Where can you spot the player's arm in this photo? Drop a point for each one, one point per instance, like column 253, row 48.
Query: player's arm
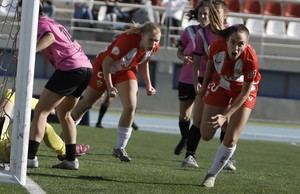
column 44, row 42
column 180, row 55
column 106, row 65
column 207, row 76
column 219, row 119
column 196, row 72
column 144, row 69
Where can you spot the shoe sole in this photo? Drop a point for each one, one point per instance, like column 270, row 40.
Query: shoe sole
column 189, row 166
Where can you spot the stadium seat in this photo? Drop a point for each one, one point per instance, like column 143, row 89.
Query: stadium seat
column 276, row 28
column 234, row 20
column 256, row 26
column 233, row 5
column 272, row 8
column 293, row 30
column 292, row 10
column 252, row 7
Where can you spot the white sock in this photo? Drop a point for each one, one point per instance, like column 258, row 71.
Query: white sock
column 123, row 136
column 222, row 156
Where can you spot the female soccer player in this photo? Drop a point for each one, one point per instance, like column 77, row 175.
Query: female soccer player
column 230, row 87
column 51, row 139
column 186, row 92
column 72, row 74
column 115, row 70
column 204, row 37
column 103, row 108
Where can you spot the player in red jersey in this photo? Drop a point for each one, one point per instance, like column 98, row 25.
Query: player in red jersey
column 115, row 70
column 230, row 87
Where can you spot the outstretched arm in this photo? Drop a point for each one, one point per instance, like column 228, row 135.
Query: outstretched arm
column 45, row 41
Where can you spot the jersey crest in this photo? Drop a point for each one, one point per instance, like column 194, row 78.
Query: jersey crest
column 219, row 59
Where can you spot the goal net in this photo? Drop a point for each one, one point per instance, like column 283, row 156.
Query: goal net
column 18, row 31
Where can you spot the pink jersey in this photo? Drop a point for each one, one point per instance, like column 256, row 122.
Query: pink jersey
column 187, row 41
column 204, row 37
column 65, row 53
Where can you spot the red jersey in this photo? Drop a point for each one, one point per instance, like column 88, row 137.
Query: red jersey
column 232, row 73
column 126, row 52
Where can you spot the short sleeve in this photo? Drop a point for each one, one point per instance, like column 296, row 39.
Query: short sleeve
column 184, row 38
column 250, row 69
column 43, row 28
column 121, row 46
column 199, row 48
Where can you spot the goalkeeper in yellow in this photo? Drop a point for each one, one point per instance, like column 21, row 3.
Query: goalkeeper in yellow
column 51, row 139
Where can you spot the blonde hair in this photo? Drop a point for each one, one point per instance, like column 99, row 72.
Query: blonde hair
column 216, row 22
column 145, row 28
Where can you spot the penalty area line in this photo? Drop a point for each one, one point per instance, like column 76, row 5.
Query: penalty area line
column 32, row 187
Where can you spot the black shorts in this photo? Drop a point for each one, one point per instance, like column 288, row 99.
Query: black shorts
column 69, row 83
column 186, row 91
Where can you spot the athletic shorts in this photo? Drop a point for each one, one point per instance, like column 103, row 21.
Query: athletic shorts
column 186, row 91
column 69, row 83
column 222, row 97
column 98, row 83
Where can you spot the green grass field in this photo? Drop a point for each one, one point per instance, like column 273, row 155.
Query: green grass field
column 263, row 167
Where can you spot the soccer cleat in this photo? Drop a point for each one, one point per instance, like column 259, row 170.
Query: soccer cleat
column 33, row 163
column 81, row 149
column 230, row 165
column 121, row 154
column 134, row 126
column 69, row 165
column 209, row 181
column 189, row 162
column 180, row 146
column 99, row 125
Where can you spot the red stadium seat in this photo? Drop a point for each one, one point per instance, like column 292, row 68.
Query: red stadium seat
column 233, row 5
column 252, row 7
column 272, row 8
column 292, row 10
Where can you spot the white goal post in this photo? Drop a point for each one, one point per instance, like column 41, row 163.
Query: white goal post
column 24, row 87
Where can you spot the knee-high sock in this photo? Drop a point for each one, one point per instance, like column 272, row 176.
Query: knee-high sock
column 194, row 137
column 102, row 112
column 222, row 156
column 53, row 141
column 222, row 135
column 123, row 137
column 70, row 152
column 184, row 128
column 33, row 148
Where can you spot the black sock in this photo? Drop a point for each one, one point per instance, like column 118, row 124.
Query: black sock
column 194, row 137
column 70, row 152
column 222, row 135
column 134, row 125
column 102, row 112
column 32, row 149
column 184, row 128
